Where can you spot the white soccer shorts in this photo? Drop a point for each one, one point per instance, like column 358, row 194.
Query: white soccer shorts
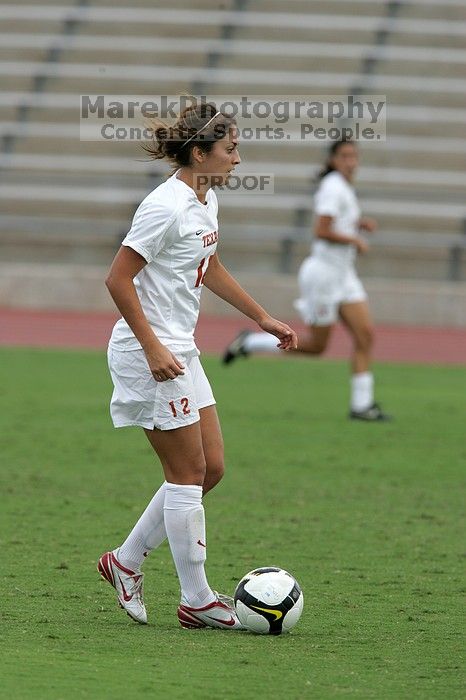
column 324, row 288
column 139, row 400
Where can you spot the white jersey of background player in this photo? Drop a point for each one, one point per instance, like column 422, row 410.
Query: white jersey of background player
column 329, row 285
column 159, row 383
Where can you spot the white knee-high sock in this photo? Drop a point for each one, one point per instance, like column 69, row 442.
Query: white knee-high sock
column 261, row 342
column 148, row 533
column 185, row 525
column 362, row 391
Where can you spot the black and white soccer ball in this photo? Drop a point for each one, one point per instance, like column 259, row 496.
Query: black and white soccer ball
column 268, row 601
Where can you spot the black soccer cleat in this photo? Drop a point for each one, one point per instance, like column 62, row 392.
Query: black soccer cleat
column 236, row 348
column 372, row 414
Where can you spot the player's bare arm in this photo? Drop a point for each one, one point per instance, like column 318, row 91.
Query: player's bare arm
column 126, row 265
column 224, row 285
column 324, row 229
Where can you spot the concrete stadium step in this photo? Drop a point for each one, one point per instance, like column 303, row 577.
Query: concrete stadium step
column 434, row 68
column 419, row 8
column 205, row 5
column 95, row 167
column 395, row 263
column 242, row 217
column 361, row 28
column 37, row 207
column 403, row 119
column 303, row 34
column 26, row 53
column 119, row 180
column 8, row 113
column 59, row 4
column 254, row 80
column 427, row 215
column 288, row 176
column 289, row 63
column 381, row 261
column 17, row 82
column 448, row 154
column 399, row 151
column 144, row 20
column 433, row 11
column 160, row 57
column 440, row 121
column 437, row 41
column 58, row 226
column 291, row 177
column 44, row 25
column 342, row 64
column 326, row 51
column 74, row 146
column 68, row 240
column 421, row 68
column 284, row 20
column 177, row 21
column 150, row 30
column 83, row 247
column 226, row 82
column 453, row 99
column 99, row 83
column 337, row 7
column 396, row 151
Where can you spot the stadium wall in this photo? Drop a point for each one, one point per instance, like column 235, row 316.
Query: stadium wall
column 81, row 287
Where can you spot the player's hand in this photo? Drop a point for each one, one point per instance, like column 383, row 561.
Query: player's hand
column 163, row 364
column 367, row 224
column 286, row 335
column 361, row 245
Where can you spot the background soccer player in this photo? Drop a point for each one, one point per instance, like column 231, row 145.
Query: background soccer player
column 329, row 284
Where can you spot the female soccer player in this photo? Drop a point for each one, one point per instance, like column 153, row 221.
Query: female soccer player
column 156, row 281
column 329, row 283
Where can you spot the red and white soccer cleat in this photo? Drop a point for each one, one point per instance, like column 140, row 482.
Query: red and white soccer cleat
column 128, row 585
column 220, row 614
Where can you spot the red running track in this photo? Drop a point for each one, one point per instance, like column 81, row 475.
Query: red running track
column 61, row 329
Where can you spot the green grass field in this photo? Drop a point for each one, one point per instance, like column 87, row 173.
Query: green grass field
column 367, row 517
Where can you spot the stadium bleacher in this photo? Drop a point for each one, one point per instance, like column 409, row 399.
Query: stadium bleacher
column 57, row 191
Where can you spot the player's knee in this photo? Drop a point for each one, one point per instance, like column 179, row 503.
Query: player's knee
column 214, row 473
column 318, row 348
column 198, row 470
column 312, row 346
column 191, row 471
column 365, row 338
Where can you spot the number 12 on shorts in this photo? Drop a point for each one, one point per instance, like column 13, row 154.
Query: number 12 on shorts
column 184, row 407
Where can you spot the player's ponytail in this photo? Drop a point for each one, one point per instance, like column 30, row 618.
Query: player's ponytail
column 198, row 125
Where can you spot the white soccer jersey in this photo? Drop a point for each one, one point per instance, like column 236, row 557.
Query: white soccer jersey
column 177, row 235
column 335, row 197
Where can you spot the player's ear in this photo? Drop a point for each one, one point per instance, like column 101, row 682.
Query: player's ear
column 198, row 155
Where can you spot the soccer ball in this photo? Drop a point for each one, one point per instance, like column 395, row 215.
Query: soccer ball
column 268, row 601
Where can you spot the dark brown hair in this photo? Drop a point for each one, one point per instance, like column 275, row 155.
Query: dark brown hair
column 198, row 125
column 332, row 151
